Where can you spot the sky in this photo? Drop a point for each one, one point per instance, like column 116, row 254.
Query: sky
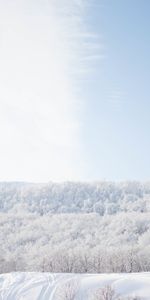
column 74, row 90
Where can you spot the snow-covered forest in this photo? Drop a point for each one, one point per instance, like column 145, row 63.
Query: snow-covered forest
column 75, row 227
column 104, row 198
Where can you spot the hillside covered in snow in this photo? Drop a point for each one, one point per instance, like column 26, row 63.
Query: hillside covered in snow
column 71, row 197
column 75, row 227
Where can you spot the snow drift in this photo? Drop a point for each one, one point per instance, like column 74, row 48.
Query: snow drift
column 46, row 286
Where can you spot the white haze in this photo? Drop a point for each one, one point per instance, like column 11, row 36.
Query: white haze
column 42, row 54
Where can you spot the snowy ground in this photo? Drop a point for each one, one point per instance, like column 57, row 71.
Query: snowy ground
column 44, row 286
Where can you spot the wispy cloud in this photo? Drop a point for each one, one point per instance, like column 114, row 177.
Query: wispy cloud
column 45, row 47
column 116, row 99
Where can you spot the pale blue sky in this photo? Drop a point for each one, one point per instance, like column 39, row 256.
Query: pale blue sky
column 74, row 90
column 117, row 119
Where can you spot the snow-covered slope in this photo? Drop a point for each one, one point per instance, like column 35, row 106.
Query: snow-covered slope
column 45, row 286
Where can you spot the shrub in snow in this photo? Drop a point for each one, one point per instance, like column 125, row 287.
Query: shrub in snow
column 68, row 290
column 105, row 293
column 108, row 293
